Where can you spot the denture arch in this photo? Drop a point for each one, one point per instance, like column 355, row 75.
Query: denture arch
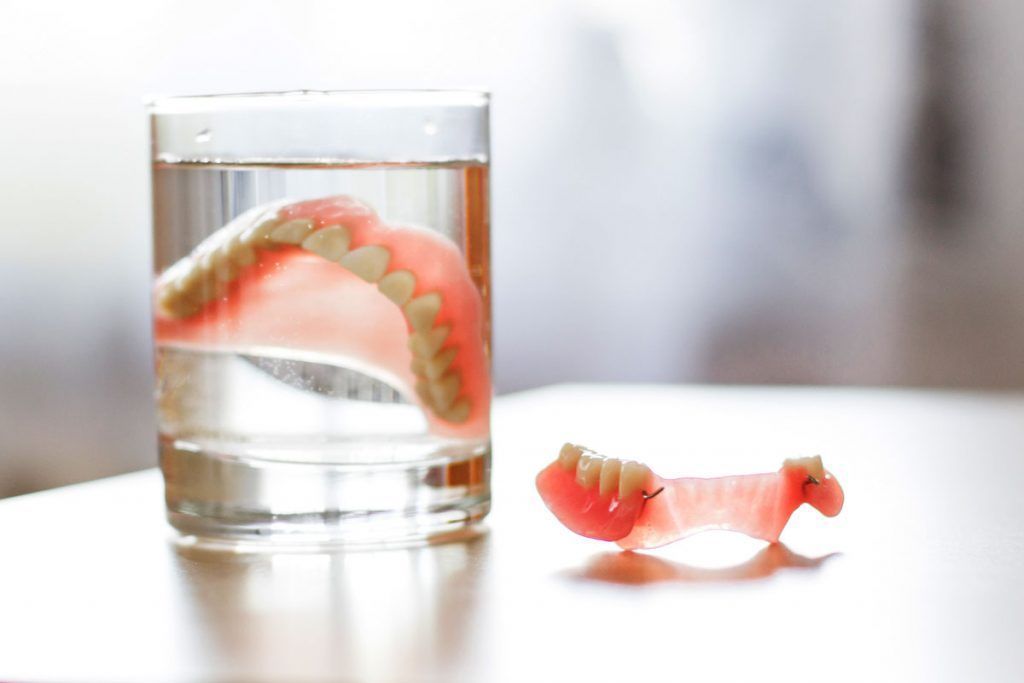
column 421, row 273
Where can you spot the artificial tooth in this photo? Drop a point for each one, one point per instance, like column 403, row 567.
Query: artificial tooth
column 369, row 262
column 175, row 287
column 224, row 267
column 632, row 477
column 207, row 287
column 610, row 476
column 330, row 242
column 398, row 286
column 569, row 456
column 174, row 303
column 206, row 260
column 459, row 412
column 425, row 344
column 188, row 308
column 228, row 247
column 444, row 391
column 260, row 235
column 189, row 281
column 588, row 470
column 167, row 303
column 174, row 308
column 241, row 253
column 201, row 284
column 581, row 466
column 816, row 468
column 218, row 265
column 423, row 310
column 423, row 391
column 436, row 366
column 293, row 231
column 813, row 465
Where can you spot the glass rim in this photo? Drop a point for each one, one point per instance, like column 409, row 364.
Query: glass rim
column 208, row 102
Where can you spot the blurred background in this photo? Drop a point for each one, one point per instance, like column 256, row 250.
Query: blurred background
column 717, row 191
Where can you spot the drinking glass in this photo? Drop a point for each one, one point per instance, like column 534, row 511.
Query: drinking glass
column 321, row 307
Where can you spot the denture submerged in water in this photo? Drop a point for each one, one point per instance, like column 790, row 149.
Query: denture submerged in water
column 624, row 501
column 327, row 277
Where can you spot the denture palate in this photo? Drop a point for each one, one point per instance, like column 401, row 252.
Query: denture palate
column 195, row 281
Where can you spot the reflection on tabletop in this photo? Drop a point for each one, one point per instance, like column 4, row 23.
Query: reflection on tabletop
column 628, row 567
column 374, row 614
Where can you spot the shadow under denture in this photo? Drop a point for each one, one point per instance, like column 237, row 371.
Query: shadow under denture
column 632, row 568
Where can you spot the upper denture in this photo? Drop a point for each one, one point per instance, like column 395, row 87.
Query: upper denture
column 412, row 268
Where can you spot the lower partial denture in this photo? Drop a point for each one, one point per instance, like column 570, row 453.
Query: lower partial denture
column 624, row 501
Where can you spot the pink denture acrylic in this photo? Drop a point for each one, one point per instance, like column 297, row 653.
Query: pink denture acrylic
column 608, row 499
column 322, row 315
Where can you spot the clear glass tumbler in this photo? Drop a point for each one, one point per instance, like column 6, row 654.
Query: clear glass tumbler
column 322, row 314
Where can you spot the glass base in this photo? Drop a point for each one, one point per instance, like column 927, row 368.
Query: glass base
column 241, row 503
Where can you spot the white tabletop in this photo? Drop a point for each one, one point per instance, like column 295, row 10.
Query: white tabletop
column 919, row 578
